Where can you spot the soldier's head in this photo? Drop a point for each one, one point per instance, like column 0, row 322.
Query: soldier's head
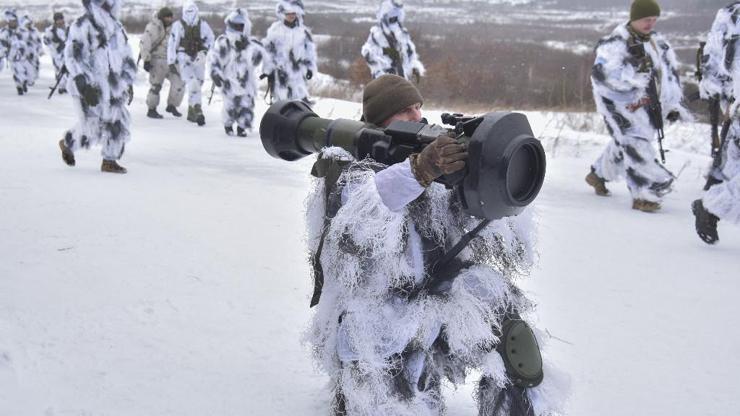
column 166, row 15
column 58, row 20
column 110, row 6
column 644, row 15
column 391, row 98
column 12, row 18
column 291, row 11
column 391, row 12
column 26, row 21
column 190, row 12
column 238, row 22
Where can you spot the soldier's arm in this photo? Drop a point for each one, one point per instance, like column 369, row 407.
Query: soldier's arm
column 612, row 75
column 77, row 57
column 173, row 42
column 218, row 58
column 146, row 42
column 310, row 53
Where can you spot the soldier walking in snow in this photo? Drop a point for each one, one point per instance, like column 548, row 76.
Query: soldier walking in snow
column 35, row 47
column 102, row 71
column 291, row 53
column 188, row 45
column 375, row 234
column 636, row 86
column 233, row 62
column 54, row 38
column 721, row 70
column 153, row 49
column 14, row 50
column 389, row 48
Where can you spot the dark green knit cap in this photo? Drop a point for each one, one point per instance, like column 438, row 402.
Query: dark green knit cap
column 387, row 95
column 644, row 8
column 164, row 12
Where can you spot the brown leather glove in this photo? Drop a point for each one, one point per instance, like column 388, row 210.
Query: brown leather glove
column 441, row 157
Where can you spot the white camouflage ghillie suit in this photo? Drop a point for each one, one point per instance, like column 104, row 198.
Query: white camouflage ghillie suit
column 14, row 50
column 619, row 80
column 101, row 76
column 389, row 48
column 291, row 54
column 55, row 39
column 234, row 60
column 386, row 351
column 721, row 80
column 35, row 47
column 188, row 46
column 153, row 49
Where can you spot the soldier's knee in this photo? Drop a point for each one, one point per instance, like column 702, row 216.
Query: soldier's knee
column 155, row 89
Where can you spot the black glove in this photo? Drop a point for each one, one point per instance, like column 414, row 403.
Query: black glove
column 90, row 95
column 309, row 74
column 217, row 81
column 147, row 66
column 130, row 94
column 673, row 116
column 174, row 70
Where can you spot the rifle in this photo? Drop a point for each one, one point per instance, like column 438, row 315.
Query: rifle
column 213, row 91
column 714, row 116
column 270, row 86
column 653, row 107
column 138, row 60
column 60, row 75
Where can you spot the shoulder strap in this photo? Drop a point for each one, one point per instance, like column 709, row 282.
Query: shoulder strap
column 330, row 170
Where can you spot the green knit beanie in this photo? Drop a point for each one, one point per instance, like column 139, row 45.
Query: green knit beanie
column 644, row 8
column 387, row 95
column 164, row 12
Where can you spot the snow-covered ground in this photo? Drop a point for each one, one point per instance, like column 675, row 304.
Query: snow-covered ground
column 182, row 288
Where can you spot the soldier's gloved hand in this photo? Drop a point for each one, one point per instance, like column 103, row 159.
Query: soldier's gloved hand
column 417, row 75
column 130, row 94
column 174, row 70
column 217, row 81
column 309, row 74
column 147, row 66
column 441, row 157
column 673, row 116
column 89, row 94
column 639, row 104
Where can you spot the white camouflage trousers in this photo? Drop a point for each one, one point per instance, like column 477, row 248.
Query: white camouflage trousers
column 192, row 72
column 157, row 75
column 723, row 200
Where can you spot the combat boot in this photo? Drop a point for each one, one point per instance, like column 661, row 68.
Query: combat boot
column 199, row 117
column 152, row 113
column 241, row 132
column 191, row 114
column 645, row 206
column 229, row 130
column 598, row 183
column 173, row 110
column 20, row 90
column 67, row 155
column 706, row 223
column 112, row 166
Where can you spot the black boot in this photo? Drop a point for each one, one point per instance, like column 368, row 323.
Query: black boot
column 200, row 118
column 25, row 87
column 241, row 132
column 229, row 130
column 152, row 113
column 20, row 90
column 173, row 110
column 706, row 223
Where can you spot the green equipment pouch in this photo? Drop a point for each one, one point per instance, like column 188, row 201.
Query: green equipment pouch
column 521, row 354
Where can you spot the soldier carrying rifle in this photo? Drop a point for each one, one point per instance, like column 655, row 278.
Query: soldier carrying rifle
column 636, row 86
